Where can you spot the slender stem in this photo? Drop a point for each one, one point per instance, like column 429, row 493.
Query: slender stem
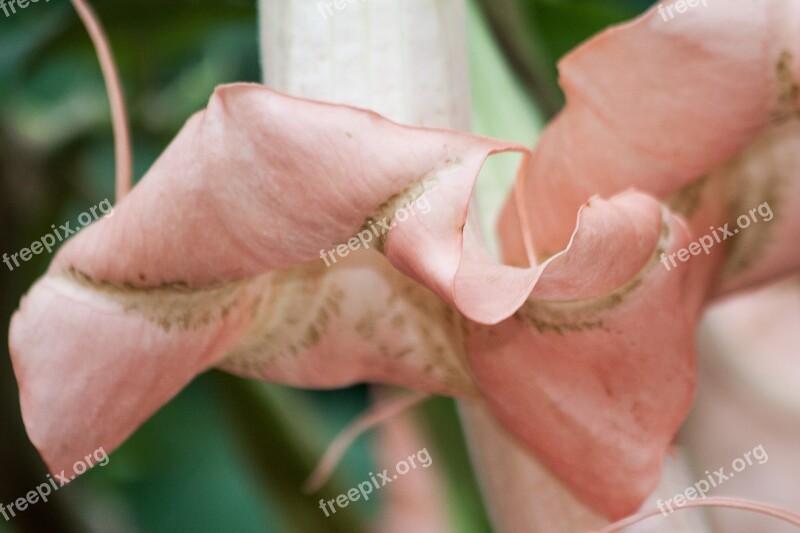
column 378, row 414
column 119, row 118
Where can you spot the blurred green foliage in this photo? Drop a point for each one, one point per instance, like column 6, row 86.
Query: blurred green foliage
column 226, row 454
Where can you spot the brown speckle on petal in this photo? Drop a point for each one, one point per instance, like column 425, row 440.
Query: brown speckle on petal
column 789, row 98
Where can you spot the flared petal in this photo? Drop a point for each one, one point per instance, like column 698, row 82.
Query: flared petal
column 703, row 118
column 92, row 367
column 214, row 259
column 261, row 181
column 661, row 102
column 596, row 372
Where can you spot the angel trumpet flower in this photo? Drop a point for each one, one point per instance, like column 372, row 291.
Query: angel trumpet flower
column 580, row 343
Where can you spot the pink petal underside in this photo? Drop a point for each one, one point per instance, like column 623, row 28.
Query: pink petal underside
column 358, row 321
column 656, row 105
column 95, row 361
column 92, row 368
column 596, row 372
column 191, row 271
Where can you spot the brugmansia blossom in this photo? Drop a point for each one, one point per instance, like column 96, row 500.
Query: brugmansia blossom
column 580, row 341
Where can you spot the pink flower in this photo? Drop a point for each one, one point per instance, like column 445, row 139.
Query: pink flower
column 581, row 343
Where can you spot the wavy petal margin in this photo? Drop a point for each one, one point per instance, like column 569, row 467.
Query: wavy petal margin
column 597, row 370
column 262, row 181
column 658, row 104
column 215, row 259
